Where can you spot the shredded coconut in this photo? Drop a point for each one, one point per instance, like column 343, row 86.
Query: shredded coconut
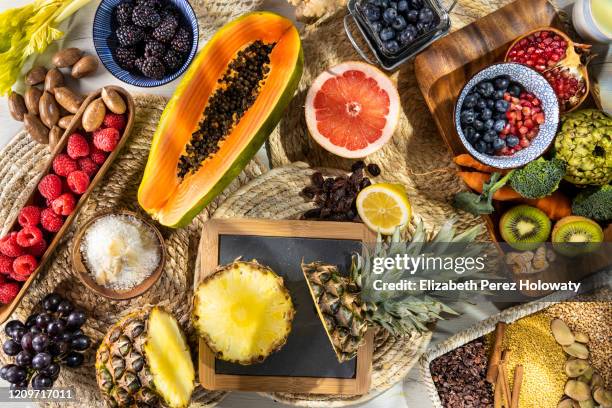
column 120, row 251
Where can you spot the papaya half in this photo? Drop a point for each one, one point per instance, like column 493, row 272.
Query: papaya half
column 227, row 104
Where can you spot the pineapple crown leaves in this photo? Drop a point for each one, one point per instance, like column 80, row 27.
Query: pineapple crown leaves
column 401, row 312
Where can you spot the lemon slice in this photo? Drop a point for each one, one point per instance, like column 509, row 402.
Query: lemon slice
column 383, row 207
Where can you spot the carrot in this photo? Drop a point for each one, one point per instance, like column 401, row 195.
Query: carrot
column 555, row 206
column 475, row 181
column 466, row 160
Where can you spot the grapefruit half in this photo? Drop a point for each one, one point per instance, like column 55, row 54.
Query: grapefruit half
column 352, row 109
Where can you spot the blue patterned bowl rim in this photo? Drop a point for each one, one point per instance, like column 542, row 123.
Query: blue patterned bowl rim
column 102, row 31
column 533, row 82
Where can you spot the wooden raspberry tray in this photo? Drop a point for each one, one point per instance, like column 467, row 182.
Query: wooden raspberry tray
column 7, row 310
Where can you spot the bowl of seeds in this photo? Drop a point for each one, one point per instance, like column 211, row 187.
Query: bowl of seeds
column 118, row 255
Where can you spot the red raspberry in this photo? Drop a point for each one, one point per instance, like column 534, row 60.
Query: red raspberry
column 50, row 186
column 112, row 120
column 8, row 292
column 29, row 215
column 77, row 146
column 2, row 280
column 106, row 139
column 97, row 155
column 9, row 245
column 6, row 265
column 63, row 165
column 29, row 236
column 50, row 220
column 24, row 265
column 64, row 204
column 78, row 181
column 18, row 278
column 88, row 166
column 37, row 249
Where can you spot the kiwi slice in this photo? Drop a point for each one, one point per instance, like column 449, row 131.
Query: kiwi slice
column 524, row 227
column 575, row 235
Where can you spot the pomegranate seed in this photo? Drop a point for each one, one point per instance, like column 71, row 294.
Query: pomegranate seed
column 524, row 143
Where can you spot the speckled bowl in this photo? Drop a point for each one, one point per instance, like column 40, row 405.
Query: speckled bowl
column 533, row 82
column 105, row 44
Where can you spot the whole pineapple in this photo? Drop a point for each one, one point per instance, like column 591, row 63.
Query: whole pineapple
column 348, row 305
column 144, row 358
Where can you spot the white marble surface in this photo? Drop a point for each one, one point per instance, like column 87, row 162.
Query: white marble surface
column 408, row 394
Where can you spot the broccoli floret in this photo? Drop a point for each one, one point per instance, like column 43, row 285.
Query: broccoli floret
column 594, row 203
column 539, row 178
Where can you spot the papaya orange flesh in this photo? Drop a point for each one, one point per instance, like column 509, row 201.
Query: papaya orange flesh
column 174, row 201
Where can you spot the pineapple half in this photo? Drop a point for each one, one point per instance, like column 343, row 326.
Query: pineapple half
column 243, row 311
column 144, row 358
column 337, row 302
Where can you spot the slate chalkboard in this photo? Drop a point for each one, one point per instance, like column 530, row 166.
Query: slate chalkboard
column 307, row 362
column 308, row 352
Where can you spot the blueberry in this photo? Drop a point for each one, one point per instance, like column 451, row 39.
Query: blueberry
column 481, row 104
column 402, row 5
column 502, row 105
column 408, row 35
column 490, row 103
column 499, row 125
column 490, row 149
column 480, row 146
column 389, row 15
column 467, row 116
column 470, row 101
column 393, row 4
column 512, row 140
column 478, row 124
column 477, row 135
column 469, row 133
column 376, row 26
column 489, row 136
column 500, row 115
column 486, row 114
column 514, row 89
column 488, row 124
column 486, row 89
column 498, row 94
column 392, row 46
column 372, row 13
column 384, row 3
column 412, row 16
column 399, row 23
column 426, row 15
column 502, row 83
column 387, row 34
column 499, row 144
column 416, row 4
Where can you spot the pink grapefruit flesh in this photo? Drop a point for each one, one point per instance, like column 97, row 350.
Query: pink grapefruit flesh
column 352, row 109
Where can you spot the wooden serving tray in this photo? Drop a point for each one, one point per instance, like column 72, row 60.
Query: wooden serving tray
column 306, row 363
column 7, row 310
column 447, row 65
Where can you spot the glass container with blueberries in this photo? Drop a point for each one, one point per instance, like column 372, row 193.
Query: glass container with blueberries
column 395, row 31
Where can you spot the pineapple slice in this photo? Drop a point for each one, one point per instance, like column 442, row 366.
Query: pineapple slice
column 144, row 358
column 243, row 311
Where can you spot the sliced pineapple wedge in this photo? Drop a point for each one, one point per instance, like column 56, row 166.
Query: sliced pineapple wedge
column 243, row 311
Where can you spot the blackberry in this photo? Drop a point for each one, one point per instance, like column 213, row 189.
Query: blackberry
column 181, row 41
column 145, row 16
column 172, row 60
column 123, row 13
column 165, row 30
column 154, row 4
column 154, row 49
column 153, row 68
column 139, row 62
column 129, row 35
column 125, row 57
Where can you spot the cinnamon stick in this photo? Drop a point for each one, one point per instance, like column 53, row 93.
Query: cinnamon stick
column 495, row 357
column 516, row 387
column 502, row 372
column 498, row 401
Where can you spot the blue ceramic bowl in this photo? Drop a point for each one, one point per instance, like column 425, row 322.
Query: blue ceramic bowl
column 103, row 31
column 533, row 82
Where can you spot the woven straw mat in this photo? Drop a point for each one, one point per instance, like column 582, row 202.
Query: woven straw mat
column 416, row 157
column 20, row 165
column 276, row 195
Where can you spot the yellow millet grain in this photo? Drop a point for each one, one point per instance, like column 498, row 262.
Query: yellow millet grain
column 532, row 345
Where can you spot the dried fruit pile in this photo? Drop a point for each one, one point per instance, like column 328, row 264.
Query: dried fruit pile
column 335, row 197
column 499, row 117
column 561, row 61
column 59, row 191
column 47, row 340
column 397, row 24
column 153, row 40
